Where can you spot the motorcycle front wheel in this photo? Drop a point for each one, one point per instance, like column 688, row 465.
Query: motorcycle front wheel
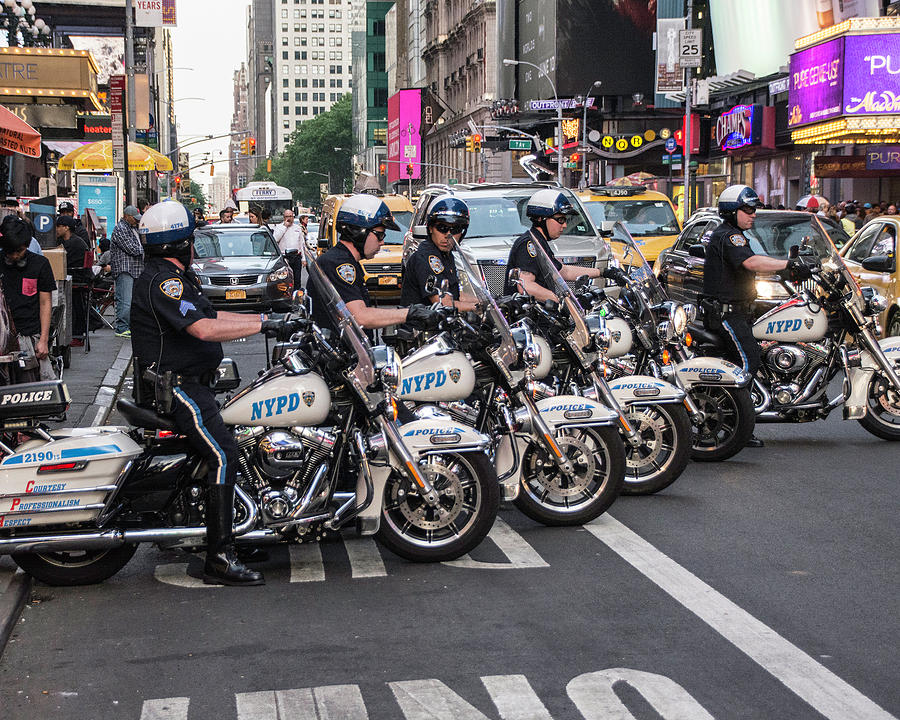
column 552, row 498
column 469, row 498
column 75, row 567
column 664, row 450
column 882, row 417
column 728, row 423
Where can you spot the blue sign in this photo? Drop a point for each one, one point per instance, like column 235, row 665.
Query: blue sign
column 43, row 217
column 99, row 193
column 671, row 145
column 883, row 157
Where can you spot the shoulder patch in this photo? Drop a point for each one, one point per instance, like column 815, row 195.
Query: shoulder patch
column 531, row 248
column 434, row 262
column 738, row 240
column 173, row 288
column 347, row 273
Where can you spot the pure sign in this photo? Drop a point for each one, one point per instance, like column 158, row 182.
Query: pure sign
column 689, row 44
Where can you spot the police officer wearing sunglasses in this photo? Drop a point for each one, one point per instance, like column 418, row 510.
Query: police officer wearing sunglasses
column 549, row 211
column 447, row 223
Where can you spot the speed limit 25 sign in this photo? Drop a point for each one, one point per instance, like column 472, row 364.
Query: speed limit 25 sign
column 690, row 44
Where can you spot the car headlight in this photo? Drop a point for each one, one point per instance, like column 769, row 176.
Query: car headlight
column 203, row 279
column 281, row 274
column 770, row 290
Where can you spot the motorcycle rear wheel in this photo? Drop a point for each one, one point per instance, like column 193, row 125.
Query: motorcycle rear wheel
column 547, row 496
column 882, row 417
column 729, row 423
column 660, row 459
column 75, row 567
column 469, row 492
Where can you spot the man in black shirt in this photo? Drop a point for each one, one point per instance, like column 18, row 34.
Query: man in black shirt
column 549, row 212
column 175, row 329
column 28, row 285
column 361, row 224
column 447, row 222
column 79, row 267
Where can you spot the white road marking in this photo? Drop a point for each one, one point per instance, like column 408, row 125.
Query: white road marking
column 176, row 574
column 514, row 697
column 815, row 684
column 306, row 563
column 174, row 708
column 365, row 559
column 331, row 702
column 519, row 553
column 595, row 698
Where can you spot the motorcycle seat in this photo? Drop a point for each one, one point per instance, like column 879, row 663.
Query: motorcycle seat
column 143, row 417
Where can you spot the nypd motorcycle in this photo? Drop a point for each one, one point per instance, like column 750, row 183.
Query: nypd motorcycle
column 651, row 415
column 559, row 458
column 825, row 331
column 319, row 448
column 649, row 336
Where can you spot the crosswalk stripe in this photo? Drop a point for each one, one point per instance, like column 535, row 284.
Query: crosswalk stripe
column 519, row 553
column 818, row 686
column 330, row 702
column 365, row 560
column 306, row 563
column 514, row 698
column 173, row 708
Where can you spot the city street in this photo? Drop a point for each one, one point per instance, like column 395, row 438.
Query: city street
column 763, row 587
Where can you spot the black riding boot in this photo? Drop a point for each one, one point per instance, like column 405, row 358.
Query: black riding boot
column 222, row 565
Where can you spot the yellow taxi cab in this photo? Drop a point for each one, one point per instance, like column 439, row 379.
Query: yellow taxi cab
column 383, row 272
column 648, row 215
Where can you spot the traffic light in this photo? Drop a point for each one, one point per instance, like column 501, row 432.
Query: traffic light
column 244, row 146
column 409, row 169
column 212, row 169
column 382, row 168
column 574, row 157
column 251, row 146
column 470, row 143
column 476, row 142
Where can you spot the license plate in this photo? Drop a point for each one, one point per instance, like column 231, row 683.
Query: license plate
column 387, row 280
column 235, row 294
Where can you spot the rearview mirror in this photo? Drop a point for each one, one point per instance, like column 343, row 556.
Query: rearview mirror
column 516, row 280
column 697, row 251
column 879, row 263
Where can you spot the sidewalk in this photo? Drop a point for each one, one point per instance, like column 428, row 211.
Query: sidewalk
column 93, row 380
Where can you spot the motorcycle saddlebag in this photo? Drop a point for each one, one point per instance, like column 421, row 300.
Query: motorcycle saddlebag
column 25, row 401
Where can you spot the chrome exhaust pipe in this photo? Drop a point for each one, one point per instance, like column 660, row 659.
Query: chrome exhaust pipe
column 764, row 394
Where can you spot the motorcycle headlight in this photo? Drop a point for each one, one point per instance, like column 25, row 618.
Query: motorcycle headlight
column 387, row 365
column 875, row 301
column 676, row 317
column 690, row 310
column 666, row 331
column 769, row 290
column 278, row 275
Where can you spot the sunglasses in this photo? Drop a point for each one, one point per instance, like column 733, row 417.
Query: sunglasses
column 748, row 210
column 380, row 234
column 444, row 228
column 561, row 219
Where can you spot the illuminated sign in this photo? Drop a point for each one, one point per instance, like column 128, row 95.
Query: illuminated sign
column 740, row 126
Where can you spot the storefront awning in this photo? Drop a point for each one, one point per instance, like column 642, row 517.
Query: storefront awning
column 876, row 129
column 62, row 146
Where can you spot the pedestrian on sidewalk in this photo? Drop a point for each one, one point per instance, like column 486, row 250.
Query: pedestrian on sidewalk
column 126, row 258
column 78, row 266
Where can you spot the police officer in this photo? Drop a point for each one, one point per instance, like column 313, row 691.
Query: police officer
column 361, row 224
column 175, row 329
column 549, row 211
column 447, row 222
column 729, row 278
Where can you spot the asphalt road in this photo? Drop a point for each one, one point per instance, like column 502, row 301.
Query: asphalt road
column 763, row 587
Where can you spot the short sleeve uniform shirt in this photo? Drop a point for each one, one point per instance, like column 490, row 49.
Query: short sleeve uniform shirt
column 523, row 255
column 427, row 262
column 346, row 274
column 724, row 276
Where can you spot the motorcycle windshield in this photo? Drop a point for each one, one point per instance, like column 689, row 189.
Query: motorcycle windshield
column 471, row 281
column 630, row 258
column 832, row 263
column 562, row 290
column 349, row 329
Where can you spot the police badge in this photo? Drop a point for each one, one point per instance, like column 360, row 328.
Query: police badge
column 347, row 273
column 531, row 249
column 308, row 397
column 808, row 322
column 434, row 262
column 616, row 335
column 454, row 374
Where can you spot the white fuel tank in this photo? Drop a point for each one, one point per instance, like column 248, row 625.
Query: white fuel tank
column 797, row 320
column 285, row 401
column 620, row 337
column 435, row 374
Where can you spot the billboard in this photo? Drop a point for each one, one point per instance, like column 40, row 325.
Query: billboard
column 847, row 76
column 762, row 40
column 669, row 73
column 404, row 138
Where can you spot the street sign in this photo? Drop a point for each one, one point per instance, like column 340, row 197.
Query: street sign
column 519, row 144
column 671, row 145
column 672, row 159
column 452, row 181
column 117, row 111
column 690, row 45
column 409, row 151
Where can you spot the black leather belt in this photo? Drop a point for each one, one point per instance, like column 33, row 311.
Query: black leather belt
column 743, row 308
column 208, row 378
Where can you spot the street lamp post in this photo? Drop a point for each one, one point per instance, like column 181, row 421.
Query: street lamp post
column 559, row 117
column 324, row 175
column 584, row 180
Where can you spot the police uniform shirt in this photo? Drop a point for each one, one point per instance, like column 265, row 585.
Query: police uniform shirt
column 165, row 300
column 346, row 274
column 523, row 255
column 724, row 276
column 22, row 287
column 426, row 262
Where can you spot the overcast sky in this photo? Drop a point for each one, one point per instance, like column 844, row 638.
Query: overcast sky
column 211, row 38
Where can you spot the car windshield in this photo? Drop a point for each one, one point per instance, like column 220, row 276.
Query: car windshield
column 504, row 216
column 642, row 218
column 395, row 237
column 252, row 243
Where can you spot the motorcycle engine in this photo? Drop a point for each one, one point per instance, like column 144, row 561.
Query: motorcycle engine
column 791, row 366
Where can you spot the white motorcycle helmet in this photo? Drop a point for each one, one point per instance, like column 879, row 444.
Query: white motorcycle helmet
column 164, row 227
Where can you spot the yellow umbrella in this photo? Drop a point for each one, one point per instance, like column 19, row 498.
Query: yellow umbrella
column 98, row 156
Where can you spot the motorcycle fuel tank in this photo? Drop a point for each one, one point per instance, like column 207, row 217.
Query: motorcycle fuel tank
column 284, row 401
column 797, row 320
column 65, row 480
column 435, row 374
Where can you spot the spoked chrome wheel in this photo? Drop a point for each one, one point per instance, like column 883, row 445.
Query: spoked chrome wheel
column 551, row 497
column 882, row 417
column 468, row 499
column 663, row 453
column 728, row 422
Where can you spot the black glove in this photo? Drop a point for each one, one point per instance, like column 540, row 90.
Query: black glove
column 798, row 270
column 617, row 275
column 280, row 326
column 422, row 317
